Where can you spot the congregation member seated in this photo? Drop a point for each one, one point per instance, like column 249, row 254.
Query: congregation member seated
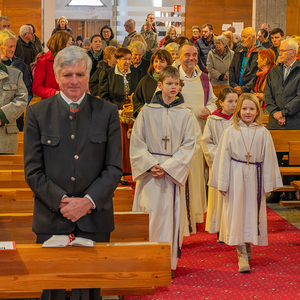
column 9, row 42
column 44, row 82
column 138, row 50
column 265, row 62
column 171, row 31
column 150, row 37
column 229, row 35
column 96, row 52
column 196, row 30
column 218, row 62
column 148, row 84
column 277, row 36
column 13, row 102
column 87, row 44
column 109, row 61
column 62, row 24
column 181, row 40
column 139, row 38
column 244, row 64
column 108, row 37
column 79, row 41
column 117, row 85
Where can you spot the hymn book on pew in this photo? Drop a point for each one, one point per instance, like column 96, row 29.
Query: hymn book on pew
column 68, row 241
column 8, row 245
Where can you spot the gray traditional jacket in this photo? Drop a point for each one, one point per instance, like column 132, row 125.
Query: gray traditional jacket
column 13, row 102
column 151, row 40
column 283, row 95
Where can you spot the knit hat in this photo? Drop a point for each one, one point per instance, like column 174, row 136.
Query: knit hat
column 86, row 41
column 79, row 38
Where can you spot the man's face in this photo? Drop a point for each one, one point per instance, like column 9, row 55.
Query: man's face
column 260, row 37
column 206, row 32
column 196, row 33
column 127, row 28
column 286, row 54
column 8, row 48
column 150, row 18
column 137, row 55
column 4, row 24
column 188, row 57
column 170, row 87
column 147, row 27
column 73, row 80
column 28, row 36
column 277, row 39
column 248, row 39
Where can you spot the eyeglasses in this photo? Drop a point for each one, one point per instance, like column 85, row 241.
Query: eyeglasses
column 126, row 59
column 284, row 51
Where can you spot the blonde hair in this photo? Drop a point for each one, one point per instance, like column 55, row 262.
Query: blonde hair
column 6, row 34
column 62, row 18
column 297, row 39
column 237, row 115
column 229, row 35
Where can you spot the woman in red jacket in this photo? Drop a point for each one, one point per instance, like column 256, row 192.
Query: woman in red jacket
column 44, row 83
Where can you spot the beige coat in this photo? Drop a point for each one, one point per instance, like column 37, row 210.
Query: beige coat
column 151, row 40
column 13, row 102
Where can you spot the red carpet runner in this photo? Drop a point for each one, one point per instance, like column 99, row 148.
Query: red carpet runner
column 209, row 270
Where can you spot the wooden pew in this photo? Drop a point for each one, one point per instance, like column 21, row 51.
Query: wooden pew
column 129, row 227
column 116, row 268
column 19, row 200
column 288, row 141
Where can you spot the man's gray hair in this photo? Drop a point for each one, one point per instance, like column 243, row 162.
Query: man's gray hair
column 137, row 45
column 86, row 41
column 221, row 38
column 291, row 43
column 130, row 23
column 169, row 30
column 4, row 18
column 70, row 56
column 25, row 29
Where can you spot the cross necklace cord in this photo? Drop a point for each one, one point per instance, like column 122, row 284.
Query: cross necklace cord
column 248, row 152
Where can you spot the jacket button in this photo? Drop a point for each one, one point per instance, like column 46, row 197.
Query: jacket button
column 72, row 136
column 76, row 156
column 70, row 117
column 49, row 142
column 73, row 178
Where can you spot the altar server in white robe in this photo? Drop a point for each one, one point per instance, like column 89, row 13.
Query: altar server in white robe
column 163, row 142
column 217, row 122
column 199, row 97
column 244, row 169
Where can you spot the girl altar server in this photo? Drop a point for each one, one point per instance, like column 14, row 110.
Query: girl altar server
column 217, row 122
column 244, row 169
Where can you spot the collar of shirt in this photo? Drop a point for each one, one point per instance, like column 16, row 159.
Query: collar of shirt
column 69, row 101
column 183, row 74
column 117, row 71
column 288, row 68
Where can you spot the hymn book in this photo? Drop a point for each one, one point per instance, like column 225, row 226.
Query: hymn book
column 67, row 241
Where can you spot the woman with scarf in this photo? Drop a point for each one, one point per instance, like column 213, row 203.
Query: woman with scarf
column 148, row 84
column 265, row 61
column 218, row 62
column 96, row 53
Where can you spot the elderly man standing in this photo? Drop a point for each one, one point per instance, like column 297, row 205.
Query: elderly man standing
column 150, row 37
column 204, row 45
column 29, row 49
column 244, row 64
column 73, row 158
column 150, row 18
column 130, row 28
column 199, row 97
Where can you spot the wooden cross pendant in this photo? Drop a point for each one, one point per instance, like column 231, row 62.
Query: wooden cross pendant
column 248, row 156
column 165, row 140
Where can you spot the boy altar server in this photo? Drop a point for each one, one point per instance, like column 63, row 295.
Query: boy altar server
column 164, row 139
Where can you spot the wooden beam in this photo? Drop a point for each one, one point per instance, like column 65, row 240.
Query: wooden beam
column 289, row 203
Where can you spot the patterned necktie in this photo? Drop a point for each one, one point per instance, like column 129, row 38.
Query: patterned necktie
column 74, row 107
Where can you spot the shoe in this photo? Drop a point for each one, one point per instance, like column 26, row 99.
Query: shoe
column 124, row 181
column 172, row 274
column 249, row 251
column 218, row 240
column 243, row 259
column 274, row 197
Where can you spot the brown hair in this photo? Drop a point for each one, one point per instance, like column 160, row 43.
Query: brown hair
column 222, row 95
column 108, row 52
column 95, row 35
column 181, row 40
column 237, row 115
column 268, row 54
column 168, row 71
column 160, row 54
column 58, row 41
column 121, row 52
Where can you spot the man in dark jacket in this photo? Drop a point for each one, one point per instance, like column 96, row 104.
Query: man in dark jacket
column 72, row 158
column 262, row 36
column 244, row 64
column 29, row 49
column 204, row 45
column 277, row 36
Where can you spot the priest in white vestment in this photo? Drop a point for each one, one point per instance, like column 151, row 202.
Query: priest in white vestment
column 199, row 97
column 166, row 136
